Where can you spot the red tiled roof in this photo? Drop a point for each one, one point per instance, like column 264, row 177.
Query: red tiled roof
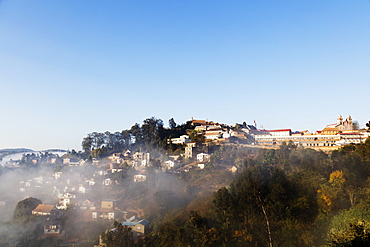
column 279, row 130
column 43, row 208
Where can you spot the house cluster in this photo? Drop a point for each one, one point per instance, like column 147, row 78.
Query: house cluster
column 108, row 210
column 75, row 186
column 211, row 131
column 341, row 133
column 136, row 160
column 139, row 161
column 51, row 218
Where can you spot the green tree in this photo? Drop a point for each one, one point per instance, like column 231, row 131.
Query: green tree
column 357, row 236
column 119, row 236
column 23, row 209
column 87, row 144
column 196, row 136
column 126, row 137
column 172, row 123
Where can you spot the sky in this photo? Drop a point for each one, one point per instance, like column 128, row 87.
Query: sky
column 69, row 68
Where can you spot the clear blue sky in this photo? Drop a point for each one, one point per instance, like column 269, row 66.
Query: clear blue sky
column 68, row 68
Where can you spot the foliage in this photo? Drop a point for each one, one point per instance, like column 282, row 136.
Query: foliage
column 358, row 235
column 288, row 196
column 150, row 135
column 196, row 136
column 340, row 224
column 119, row 236
column 23, row 209
column 282, row 197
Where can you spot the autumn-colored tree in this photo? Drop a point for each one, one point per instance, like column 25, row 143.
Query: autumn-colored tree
column 337, row 178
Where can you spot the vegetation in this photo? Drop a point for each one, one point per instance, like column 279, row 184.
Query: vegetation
column 23, row 209
column 280, row 197
column 289, row 196
column 148, row 136
column 118, row 236
column 284, row 197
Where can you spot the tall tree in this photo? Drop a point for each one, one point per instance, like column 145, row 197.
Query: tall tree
column 172, row 123
column 87, row 144
column 368, row 126
column 119, row 236
column 24, row 208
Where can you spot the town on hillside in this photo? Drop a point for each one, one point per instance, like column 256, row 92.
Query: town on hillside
column 126, row 176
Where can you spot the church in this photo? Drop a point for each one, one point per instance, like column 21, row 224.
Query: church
column 339, row 127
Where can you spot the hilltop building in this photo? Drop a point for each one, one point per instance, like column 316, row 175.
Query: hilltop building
column 340, row 133
column 339, row 127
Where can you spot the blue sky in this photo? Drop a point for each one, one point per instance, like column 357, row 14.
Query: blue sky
column 68, row 68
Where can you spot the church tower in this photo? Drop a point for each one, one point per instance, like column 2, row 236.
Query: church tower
column 349, row 120
column 340, row 120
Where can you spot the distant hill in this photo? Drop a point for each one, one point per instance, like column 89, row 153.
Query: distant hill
column 54, row 150
column 23, row 150
column 15, row 150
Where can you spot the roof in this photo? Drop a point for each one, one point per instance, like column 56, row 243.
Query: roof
column 212, row 133
column 199, row 121
column 279, row 130
column 109, row 200
column 129, row 223
column 330, row 129
column 43, row 208
column 107, row 210
column 52, row 222
column 142, row 222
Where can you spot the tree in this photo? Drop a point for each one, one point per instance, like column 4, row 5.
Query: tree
column 24, row 208
column 223, row 203
column 269, row 158
column 119, row 236
column 357, row 236
column 355, row 125
column 87, row 144
column 164, row 201
column 195, row 136
column 126, row 137
column 172, row 123
column 337, row 178
column 152, row 130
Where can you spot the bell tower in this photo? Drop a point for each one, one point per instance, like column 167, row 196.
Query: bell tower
column 340, row 120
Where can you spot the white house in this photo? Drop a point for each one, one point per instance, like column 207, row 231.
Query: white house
column 181, row 140
column 139, row 178
column 171, row 164
column 107, row 182
column 203, row 157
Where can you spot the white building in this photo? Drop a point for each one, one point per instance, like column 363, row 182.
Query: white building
column 203, row 157
column 181, row 140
